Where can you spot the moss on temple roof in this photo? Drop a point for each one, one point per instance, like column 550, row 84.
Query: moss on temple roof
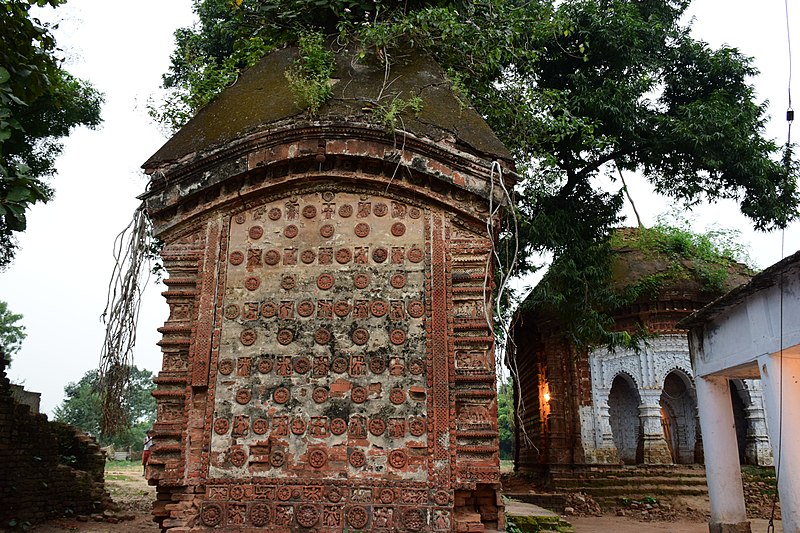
column 262, row 97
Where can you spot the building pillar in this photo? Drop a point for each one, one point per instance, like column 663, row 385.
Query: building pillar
column 654, row 448
column 606, row 434
column 757, row 449
column 699, row 454
column 723, row 473
column 781, row 390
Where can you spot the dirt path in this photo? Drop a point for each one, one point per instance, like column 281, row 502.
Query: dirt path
column 605, row 524
column 130, row 491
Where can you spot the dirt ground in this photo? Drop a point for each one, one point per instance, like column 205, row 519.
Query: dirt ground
column 134, row 496
column 128, row 488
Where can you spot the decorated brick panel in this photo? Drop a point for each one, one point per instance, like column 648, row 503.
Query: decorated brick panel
column 320, row 380
column 473, row 352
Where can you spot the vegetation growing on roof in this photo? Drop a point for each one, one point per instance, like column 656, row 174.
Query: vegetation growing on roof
column 673, row 255
column 310, row 75
column 706, row 257
column 389, row 114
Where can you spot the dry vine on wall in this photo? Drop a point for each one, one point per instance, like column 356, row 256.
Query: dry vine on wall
column 132, row 253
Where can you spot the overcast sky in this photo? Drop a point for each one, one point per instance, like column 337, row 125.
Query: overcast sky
column 60, row 276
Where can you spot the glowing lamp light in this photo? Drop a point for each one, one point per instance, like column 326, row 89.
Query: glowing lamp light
column 547, row 396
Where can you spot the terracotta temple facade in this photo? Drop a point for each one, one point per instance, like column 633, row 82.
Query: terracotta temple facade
column 328, row 360
column 624, row 406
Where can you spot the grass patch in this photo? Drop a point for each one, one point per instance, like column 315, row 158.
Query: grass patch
column 122, row 464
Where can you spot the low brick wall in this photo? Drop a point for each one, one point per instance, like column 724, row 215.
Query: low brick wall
column 47, row 469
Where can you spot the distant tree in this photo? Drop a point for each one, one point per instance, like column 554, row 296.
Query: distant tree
column 11, row 333
column 40, row 103
column 82, row 408
column 505, row 418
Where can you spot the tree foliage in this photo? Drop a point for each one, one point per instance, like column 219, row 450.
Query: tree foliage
column 505, row 418
column 576, row 89
column 82, row 408
column 40, row 103
column 584, row 310
column 11, row 333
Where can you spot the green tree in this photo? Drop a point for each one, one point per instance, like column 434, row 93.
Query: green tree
column 505, row 418
column 576, row 89
column 82, row 408
column 11, row 332
column 40, row 103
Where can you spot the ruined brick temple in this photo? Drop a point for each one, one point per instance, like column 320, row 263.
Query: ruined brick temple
column 328, row 360
column 584, row 407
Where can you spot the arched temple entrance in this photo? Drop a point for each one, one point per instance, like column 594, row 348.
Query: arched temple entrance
column 678, row 416
column 623, row 410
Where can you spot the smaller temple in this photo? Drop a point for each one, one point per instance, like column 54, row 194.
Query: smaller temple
column 580, row 406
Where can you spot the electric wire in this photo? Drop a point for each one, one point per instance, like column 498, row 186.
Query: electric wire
column 789, row 120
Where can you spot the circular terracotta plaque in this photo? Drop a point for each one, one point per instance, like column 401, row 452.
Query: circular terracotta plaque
column 308, row 256
column 322, row 336
column 236, row 258
column 397, row 336
column 360, row 336
column 306, row 308
column 281, row 395
column 357, row 458
column 377, row 426
column 325, row 281
column 343, row 256
column 252, row 283
column 326, row 231
column 248, row 337
column 221, row 426
column 362, row 229
column 265, row 365
column 291, row 231
column 285, row 336
column 380, row 209
column 255, row 232
column 338, row 426
column 379, row 255
column 269, row 309
column 415, row 308
column 361, row 281
column 358, row 395
column 397, row 396
column 397, row 458
column 320, row 395
column 272, row 257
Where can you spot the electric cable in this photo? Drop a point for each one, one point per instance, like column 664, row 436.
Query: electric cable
column 789, row 120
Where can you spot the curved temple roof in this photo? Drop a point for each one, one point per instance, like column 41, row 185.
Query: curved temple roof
column 261, row 98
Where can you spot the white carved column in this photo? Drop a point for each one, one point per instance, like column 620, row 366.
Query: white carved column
column 757, row 448
column 781, row 382
column 724, row 476
column 654, row 447
column 608, row 450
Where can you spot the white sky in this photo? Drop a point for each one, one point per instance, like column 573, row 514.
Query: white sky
column 59, row 278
